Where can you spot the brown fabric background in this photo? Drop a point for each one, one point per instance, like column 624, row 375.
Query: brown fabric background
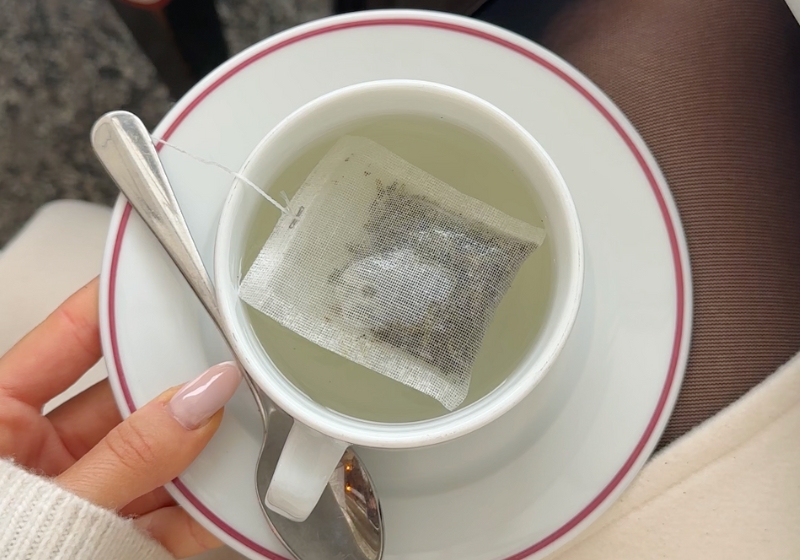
column 713, row 86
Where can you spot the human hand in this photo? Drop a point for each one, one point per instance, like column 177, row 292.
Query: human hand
column 85, row 445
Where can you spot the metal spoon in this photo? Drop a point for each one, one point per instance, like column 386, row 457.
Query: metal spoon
column 346, row 523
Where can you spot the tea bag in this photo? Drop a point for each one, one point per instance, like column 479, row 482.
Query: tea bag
column 390, row 267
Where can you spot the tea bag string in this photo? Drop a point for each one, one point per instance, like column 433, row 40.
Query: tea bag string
column 268, row 198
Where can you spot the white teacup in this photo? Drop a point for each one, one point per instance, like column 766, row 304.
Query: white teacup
column 320, row 435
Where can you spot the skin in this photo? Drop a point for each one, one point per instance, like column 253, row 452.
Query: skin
column 84, row 444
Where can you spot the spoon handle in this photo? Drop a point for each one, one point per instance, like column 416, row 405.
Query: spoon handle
column 126, row 150
column 352, row 525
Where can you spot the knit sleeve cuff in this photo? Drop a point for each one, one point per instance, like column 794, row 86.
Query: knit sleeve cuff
column 38, row 519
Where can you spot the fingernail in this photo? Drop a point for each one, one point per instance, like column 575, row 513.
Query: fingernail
column 200, row 399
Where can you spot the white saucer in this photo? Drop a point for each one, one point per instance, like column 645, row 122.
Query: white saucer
column 525, row 484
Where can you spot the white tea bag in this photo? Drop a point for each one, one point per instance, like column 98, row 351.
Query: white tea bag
column 388, row 266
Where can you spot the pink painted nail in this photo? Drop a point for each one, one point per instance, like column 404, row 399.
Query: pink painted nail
column 200, row 399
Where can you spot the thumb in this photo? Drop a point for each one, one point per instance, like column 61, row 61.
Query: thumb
column 154, row 444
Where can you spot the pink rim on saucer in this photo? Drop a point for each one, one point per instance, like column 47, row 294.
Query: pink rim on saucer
column 649, row 173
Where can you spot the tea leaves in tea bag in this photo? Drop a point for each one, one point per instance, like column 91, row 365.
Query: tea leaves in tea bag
column 388, row 266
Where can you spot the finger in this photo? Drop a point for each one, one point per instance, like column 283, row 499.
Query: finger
column 154, row 444
column 175, row 529
column 85, row 419
column 151, row 501
column 27, row 437
column 56, row 353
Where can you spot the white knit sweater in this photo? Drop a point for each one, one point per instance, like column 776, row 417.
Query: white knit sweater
column 41, row 521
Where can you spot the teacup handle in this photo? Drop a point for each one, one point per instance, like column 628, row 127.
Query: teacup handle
column 304, row 468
